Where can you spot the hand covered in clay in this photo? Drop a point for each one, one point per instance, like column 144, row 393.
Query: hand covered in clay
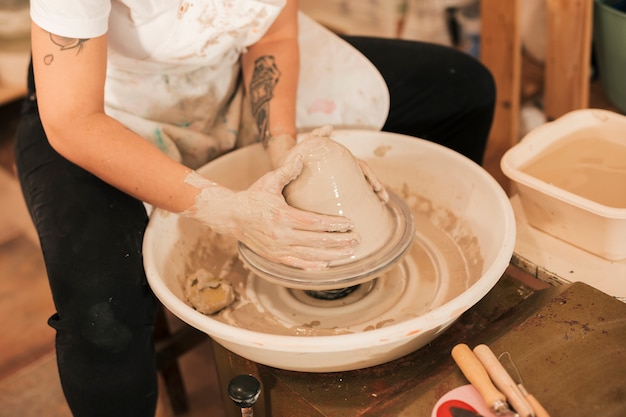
column 261, row 219
column 278, row 147
column 373, row 181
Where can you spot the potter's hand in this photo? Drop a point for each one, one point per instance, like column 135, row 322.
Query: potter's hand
column 373, row 181
column 261, row 219
column 278, row 147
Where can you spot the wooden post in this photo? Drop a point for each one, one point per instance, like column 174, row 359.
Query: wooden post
column 568, row 53
column 501, row 52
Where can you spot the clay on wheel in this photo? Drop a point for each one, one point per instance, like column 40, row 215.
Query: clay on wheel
column 332, row 182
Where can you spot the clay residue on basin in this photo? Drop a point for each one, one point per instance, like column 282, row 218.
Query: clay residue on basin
column 443, row 261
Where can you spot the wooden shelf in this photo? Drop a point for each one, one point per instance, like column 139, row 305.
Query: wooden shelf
column 9, row 93
column 565, row 73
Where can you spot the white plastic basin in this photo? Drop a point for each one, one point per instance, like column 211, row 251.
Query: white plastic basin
column 447, row 178
column 580, row 201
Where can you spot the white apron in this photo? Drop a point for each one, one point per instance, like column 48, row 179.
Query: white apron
column 194, row 119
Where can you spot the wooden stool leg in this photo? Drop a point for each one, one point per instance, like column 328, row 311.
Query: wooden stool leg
column 175, row 387
column 170, row 346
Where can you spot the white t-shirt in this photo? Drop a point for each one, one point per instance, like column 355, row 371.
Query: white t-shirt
column 173, row 66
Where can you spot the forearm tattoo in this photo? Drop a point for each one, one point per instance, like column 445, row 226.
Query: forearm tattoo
column 264, row 79
column 64, row 44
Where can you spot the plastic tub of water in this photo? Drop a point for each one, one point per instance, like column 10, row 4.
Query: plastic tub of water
column 571, row 179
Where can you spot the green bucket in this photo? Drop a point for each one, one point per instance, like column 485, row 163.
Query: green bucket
column 609, row 37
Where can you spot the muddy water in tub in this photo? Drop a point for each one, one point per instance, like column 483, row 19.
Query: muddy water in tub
column 588, row 166
column 437, row 268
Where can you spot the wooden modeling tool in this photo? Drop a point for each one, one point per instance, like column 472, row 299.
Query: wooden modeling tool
column 503, row 381
column 476, row 374
column 534, row 403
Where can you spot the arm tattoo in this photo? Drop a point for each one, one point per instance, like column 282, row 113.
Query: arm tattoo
column 264, row 79
column 64, row 44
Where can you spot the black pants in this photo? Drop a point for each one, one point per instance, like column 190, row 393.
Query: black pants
column 91, row 233
column 436, row 93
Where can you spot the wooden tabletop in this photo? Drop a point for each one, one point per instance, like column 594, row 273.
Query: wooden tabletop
column 566, row 342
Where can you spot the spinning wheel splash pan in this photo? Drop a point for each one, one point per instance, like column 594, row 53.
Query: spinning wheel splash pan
column 344, row 275
column 449, row 193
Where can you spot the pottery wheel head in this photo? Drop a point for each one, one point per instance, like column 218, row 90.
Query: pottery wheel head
column 402, row 231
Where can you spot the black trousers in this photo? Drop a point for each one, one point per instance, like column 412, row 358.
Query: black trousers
column 436, row 93
column 91, row 233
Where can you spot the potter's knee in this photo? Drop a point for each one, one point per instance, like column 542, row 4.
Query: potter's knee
column 100, row 328
column 104, row 330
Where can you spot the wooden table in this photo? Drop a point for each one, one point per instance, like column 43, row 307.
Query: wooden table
column 568, row 343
